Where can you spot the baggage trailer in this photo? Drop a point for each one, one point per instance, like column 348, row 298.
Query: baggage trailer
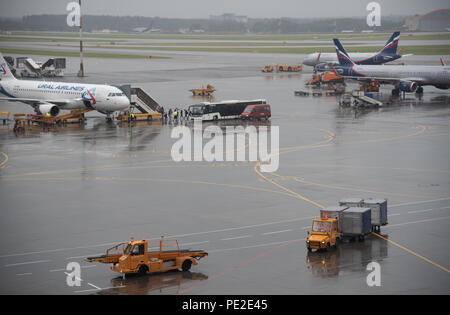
column 337, row 223
column 379, row 212
column 356, row 222
column 334, row 212
column 351, row 202
column 144, row 256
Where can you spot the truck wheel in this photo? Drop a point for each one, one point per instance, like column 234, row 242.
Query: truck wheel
column 186, row 265
column 309, row 249
column 143, row 270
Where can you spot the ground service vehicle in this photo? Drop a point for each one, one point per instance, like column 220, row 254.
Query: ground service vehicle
column 221, row 110
column 204, row 91
column 268, row 68
column 324, row 234
column 354, row 218
column 257, row 112
column 325, row 78
column 144, row 256
column 288, row 68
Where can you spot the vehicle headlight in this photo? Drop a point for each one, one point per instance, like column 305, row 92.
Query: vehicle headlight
column 323, row 242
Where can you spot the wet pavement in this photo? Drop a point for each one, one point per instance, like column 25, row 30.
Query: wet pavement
column 73, row 192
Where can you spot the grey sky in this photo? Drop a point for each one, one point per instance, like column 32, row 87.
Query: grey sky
column 203, row 8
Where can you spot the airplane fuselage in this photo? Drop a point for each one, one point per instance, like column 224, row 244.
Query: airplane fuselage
column 437, row 76
column 103, row 98
column 359, row 58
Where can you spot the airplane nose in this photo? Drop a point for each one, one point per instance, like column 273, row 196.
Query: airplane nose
column 123, row 103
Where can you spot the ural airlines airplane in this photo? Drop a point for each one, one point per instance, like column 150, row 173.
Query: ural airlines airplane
column 50, row 97
column 321, row 61
column 405, row 78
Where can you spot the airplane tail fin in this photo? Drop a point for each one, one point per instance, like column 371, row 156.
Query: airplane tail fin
column 391, row 45
column 343, row 57
column 5, row 72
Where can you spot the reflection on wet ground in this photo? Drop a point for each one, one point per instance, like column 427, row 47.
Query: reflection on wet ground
column 164, row 283
column 347, row 257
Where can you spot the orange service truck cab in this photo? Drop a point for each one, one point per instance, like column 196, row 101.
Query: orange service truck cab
column 324, row 234
column 144, row 256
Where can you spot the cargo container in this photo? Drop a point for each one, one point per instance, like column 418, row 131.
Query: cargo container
column 356, row 222
column 333, row 212
column 379, row 212
column 351, row 202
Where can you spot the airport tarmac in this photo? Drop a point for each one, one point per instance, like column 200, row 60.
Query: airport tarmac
column 74, row 192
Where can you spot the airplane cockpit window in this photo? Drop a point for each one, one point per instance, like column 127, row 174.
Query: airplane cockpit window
column 115, row 94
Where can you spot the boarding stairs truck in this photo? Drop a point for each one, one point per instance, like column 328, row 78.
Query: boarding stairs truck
column 362, row 99
column 144, row 256
column 149, row 109
column 354, row 218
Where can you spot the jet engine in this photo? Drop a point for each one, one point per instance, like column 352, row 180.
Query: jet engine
column 47, row 108
column 408, row 86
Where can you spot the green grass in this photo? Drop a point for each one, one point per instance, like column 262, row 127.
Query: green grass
column 75, row 54
column 280, row 37
column 417, row 50
column 229, row 44
column 43, row 39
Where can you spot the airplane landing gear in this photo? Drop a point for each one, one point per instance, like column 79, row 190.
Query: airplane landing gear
column 109, row 118
column 396, row 92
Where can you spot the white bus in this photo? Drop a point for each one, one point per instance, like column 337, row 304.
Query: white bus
column 221, row 110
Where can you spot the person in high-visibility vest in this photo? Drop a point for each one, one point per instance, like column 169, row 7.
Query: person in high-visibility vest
column 47, row 115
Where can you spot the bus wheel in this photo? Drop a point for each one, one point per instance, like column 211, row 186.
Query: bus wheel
column 186, row 265
column 215, row 118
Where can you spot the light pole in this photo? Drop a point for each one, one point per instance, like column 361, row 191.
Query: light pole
column 81, row 72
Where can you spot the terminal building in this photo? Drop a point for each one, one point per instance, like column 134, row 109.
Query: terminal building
column 434, row 21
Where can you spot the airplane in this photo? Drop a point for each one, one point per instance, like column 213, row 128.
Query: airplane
column 322, row 61
column 51, row 97
column 407, row 79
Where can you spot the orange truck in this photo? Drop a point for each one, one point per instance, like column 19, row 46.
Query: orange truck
column 324, row 234
column 144, row 256
column 325, row 78
column 288, row 68
column 268, row 68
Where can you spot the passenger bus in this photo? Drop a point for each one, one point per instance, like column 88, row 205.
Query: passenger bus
column 221, row 110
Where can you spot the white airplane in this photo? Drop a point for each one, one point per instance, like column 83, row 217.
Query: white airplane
column 51, row 97
column 321, row 61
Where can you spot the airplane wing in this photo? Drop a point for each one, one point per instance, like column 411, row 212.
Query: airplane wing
column 32, row 101
column 385, row 80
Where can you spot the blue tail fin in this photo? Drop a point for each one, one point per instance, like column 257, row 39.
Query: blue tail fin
column 391, row 46
column 343, row 57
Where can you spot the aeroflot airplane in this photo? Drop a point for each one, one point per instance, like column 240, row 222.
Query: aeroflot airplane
column 50, row 97
column 389, row 53
column 409, row 79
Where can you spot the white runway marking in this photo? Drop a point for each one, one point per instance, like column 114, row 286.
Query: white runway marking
column 276, row 232
column 27, row 263
column 417, row 211
column 235, row 238
column 417, row 202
